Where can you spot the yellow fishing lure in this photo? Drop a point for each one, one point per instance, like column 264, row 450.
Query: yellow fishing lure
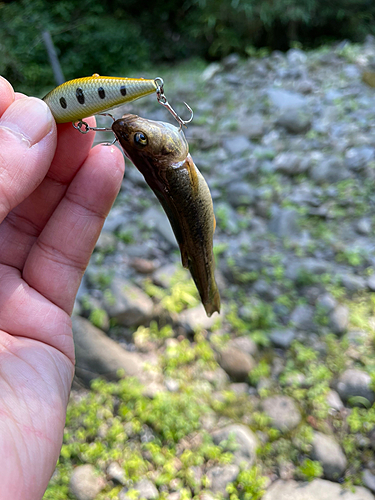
column 76, row 99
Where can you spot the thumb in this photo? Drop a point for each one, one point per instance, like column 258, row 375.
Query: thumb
column 27, row 146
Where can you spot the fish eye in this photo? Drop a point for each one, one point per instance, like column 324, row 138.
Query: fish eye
column 140, row 139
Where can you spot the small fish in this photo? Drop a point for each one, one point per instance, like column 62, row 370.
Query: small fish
column 76, row 99
column 161, row 153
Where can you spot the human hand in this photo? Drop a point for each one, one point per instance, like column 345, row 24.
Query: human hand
column 55, row 192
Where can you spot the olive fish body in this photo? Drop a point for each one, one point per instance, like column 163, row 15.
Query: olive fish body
column 82, row 97
column 161, row 153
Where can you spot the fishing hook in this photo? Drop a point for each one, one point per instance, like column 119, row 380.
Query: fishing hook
column 163, row 101
column 85, row 128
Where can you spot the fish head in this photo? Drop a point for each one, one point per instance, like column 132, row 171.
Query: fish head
column 147, row 139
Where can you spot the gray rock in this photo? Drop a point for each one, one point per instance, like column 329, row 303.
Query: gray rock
column 107, row 242
column 364, row 226
column 284, row 222
column 296, row 270
column 296, row 56
column 329, row 170
column 128, row 304
column 289, row 163
column 196, row 318
column 357, row 158
column 85, row 482
column 245, row 439
column 240, row 193
column 353, row 383
column 146, row 489
column 326, row 303
column 245, row 344
column 318, row 489
column 302, row 317
column 237, row 145
column 282, row 337
column 116, row 473
column 283, row 412
column 220, row 475
column 305, row 86
column 156, row 219
column 211, row 70
column 99, row 356
column 334, row 401
column 369, row 480
column 339, row 319
column 328, row 452
column 353, row 283
column 236, row 363
column 284, row 99
column 295, row 121
column 371, row 282
column 163, row 276
column 253, row 125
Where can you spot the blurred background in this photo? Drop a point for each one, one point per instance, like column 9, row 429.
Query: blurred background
column 118, row 37
column 279, row 389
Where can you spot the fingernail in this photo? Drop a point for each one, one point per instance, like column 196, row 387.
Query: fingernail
column 29, row 117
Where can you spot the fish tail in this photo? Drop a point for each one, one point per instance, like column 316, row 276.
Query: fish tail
column 213, row 303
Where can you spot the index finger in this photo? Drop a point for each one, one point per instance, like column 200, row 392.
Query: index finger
column 6, row 95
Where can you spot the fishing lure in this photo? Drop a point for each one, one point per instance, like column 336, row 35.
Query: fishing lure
column 161, row 153
column 75, row 99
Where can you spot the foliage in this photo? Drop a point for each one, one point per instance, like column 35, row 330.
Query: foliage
column 310, row 469
column 120, row 38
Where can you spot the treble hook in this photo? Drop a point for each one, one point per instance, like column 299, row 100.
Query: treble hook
column 163, row 101
column 85, row 128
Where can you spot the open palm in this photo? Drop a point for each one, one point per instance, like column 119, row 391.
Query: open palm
column 55, row 192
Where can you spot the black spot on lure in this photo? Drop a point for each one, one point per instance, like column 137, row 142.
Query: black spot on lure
column 161, row 153
column 74, row 100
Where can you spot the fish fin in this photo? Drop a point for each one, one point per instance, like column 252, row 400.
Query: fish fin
column 213, row 304
column 189, row 165
column 184, row 257
column 214, row 223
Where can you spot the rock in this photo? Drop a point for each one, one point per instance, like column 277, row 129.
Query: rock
column 220, row 475
column 357, row 158
column 116, row 473
column 284, row 99
column 240, row 194
column 328, row 452
column 85, row 483
column 371, row 282
column 211, row 70
column 318, row 489
column 282, row 337
column 294, row 121
column 326, row 303
column 196, row 318
column 334, row 401
column 236, row 363
column 244, row 344
column 329, row 170
column 339, row 319
column 289, row 163
column 302, row 317
column 156, row 219
column 231, row 61
column 284, row 222
column 305, row 86
column 364, row 226
column 107, row 242
column 163, row 276
column 99, row 356
column 369, row 480
column 283, row 412
column 297, row 270
column 128, row 304
column 354, row 383
column 353, row 283
column 237, row 145
column 245, row 439
column 146, row 489
column 253, row 125
column 143, row 266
